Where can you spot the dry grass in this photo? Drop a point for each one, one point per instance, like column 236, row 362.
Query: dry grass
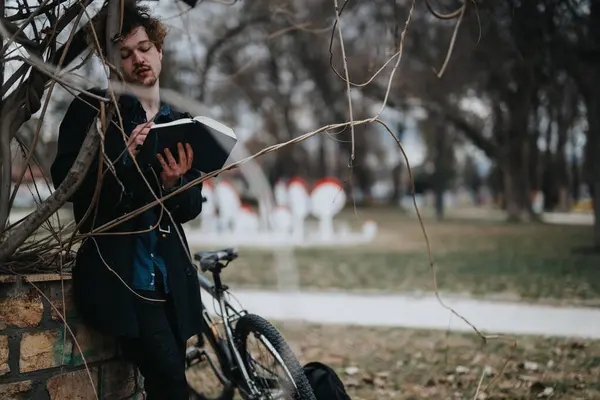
column 406, row 364
column 532, row 262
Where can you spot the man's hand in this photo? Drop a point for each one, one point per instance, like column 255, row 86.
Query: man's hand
column 138, row 137
column 172, row 171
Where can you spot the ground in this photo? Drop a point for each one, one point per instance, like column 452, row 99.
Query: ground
column 407, row 364
column 393, row 363
column 481, row 258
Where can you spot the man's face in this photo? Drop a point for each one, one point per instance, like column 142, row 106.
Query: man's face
column 140, row 59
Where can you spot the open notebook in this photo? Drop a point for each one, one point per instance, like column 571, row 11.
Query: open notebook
column 211, row 141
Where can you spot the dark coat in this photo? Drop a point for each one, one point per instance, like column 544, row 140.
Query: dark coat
column 104, row 264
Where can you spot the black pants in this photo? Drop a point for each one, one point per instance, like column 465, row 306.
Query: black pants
column 158, row 352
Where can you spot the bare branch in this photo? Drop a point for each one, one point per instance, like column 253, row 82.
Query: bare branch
column 439, row 15
column 89, row 148
column 212, row 50
column 16, row 236
column 453, row 40
column 45, row 107
column 348, row 89
column 38, row 10
column 16, row 34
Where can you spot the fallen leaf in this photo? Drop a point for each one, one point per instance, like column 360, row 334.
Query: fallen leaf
column 547, row 392
column 379, row 382
column 482, row 396
column 529, row 366
column 351, row 382
column 557, row 351
column 460, row 369
column 578, row 345
column 383, row 374
column 528, row 378
column 368, row 379
column 351, row 370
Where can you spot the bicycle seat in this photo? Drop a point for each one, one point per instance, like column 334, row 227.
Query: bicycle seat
column 208, row 259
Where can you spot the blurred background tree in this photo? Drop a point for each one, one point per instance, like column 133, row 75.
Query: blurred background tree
column 496, row 102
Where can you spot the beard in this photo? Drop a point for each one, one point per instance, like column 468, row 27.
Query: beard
column 148, row 80
column 144, row 76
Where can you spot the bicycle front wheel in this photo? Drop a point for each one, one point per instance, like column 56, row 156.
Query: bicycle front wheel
column 290, row 383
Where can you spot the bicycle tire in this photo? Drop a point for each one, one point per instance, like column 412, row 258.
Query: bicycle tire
column 228, row 392
column 250, row 323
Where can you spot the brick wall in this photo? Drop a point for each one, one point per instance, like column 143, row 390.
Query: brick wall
column 38, row 356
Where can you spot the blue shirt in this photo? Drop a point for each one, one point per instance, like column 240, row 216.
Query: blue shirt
column 146, row 259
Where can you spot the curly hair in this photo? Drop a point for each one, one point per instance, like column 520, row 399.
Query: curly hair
column 134, row 16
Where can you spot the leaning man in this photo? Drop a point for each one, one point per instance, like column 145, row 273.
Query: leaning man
column 136, row 280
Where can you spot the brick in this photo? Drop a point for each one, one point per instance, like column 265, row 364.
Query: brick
column 118, row 380
column 74, row 385
column 95, row 346
column 40, row 350
column 15, row 390
column 23, row 309
column 4, row 368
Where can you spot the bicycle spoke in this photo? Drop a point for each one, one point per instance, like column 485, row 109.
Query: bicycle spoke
column 274, row 386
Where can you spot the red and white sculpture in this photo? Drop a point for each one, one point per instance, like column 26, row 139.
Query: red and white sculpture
column 298, row 201
column 327, row 199
column 228, row 203
column 280, row 191
column 246, row 222
column 239, row 224
column 282, row 220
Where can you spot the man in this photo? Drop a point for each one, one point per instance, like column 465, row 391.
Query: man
column 135, row 281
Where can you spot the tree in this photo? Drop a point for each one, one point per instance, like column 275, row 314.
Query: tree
column 440, row 144
column 22, row 95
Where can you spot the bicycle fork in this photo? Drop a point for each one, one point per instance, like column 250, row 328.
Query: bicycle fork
column 238, row 365
column 233, row 348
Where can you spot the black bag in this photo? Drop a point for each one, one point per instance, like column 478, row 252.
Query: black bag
column 326, row 384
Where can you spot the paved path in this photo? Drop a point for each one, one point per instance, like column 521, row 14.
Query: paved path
column 421, row 312
column 572, row 218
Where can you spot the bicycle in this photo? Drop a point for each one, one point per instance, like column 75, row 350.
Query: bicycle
column 226, row 353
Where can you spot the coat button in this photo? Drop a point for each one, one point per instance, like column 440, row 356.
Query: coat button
column 164, row 235
column 188, row 271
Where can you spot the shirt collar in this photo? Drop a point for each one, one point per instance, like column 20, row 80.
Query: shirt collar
column 131, row 102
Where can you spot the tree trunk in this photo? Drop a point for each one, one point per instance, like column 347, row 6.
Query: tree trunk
column 562, row 171
column 593, row 150
column 397, row 189
column 548, row 183
column 515, row 169
column 516, row 192
column 439, row 175
column 575, row 183
column 593, row 114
